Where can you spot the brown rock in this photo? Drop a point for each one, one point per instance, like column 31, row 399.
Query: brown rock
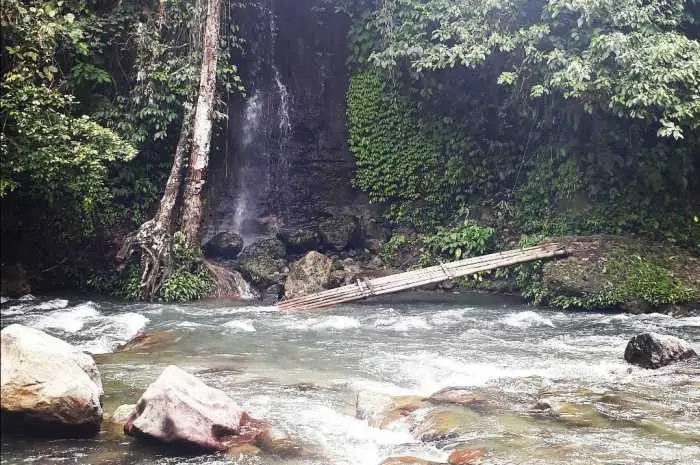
column 459, row 396
column 466, row 457
column 148, row 340
column 445, row 424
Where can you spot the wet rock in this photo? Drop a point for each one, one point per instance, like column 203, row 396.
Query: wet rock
column 339, row 232
column 580, row 415
column 148, row 340
column 437, row 425
column 652, row 350
column 178, row 408
column 465, row 456
column 236, row 452
column 274, row 441
column 273, row 294
column 458, row 396
column 224, row 245
column 122, row 413
column 48, row 386
column 299, row 240
column 407, row 460
column 308, row 275
column 400, row 408
column 267, row 248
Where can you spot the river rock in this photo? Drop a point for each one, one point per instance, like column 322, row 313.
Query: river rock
column 299, row 241
column 308, row 275
column 652, row 350
column 458, row 396
column 339, row 232
column 464, row 456
column 148, row 340
column 224, row 245
column 437, row 425
column 48, row 385
column 178, row 408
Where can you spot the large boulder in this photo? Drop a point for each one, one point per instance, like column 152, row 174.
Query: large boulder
column 651, row 350
column 308, row 275
column 48, row 386
column 339, row 232
column 179, row 408
column 224, row 245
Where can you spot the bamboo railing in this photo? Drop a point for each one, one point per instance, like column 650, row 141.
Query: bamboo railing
column 412, row 279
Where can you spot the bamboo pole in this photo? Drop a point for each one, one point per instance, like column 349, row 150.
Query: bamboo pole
column 447, row 271
column 422, row 277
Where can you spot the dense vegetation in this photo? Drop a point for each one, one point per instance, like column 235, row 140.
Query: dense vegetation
column 537, row 119
column 479, row 125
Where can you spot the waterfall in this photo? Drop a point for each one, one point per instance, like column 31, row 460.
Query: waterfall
column 257, row 191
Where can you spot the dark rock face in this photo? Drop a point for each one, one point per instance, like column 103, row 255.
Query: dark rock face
column 268, row 248
column 13, row 280
column 299, row 240
column 273, row 294
column 651, row 350
column 224, row 245
column 285, row 153
column 339, row 232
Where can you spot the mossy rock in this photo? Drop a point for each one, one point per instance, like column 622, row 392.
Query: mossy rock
column 621, row 272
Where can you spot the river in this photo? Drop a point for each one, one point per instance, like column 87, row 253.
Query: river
column 304, row 372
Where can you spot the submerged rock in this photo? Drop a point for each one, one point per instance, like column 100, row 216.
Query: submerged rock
column 224, row 245
column 148, row 340
column 651, row 350
column 458, row 396
column 437, row 425
column 465, row 456
column 122, row 414
column 178, row 408
column 308, row 275
column 48, row 386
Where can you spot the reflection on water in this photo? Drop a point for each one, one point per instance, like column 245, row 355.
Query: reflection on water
column 303, row 371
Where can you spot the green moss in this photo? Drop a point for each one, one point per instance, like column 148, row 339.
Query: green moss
column 632, row 280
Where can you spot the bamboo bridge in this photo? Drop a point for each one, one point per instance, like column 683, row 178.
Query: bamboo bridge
column 363, row 288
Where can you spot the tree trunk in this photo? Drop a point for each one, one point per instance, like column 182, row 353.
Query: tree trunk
column 202, row 127
column 153, row 237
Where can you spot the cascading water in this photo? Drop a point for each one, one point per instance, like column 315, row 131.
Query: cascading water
column 261, row 165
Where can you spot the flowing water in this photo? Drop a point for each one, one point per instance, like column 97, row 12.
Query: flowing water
column 303, row 372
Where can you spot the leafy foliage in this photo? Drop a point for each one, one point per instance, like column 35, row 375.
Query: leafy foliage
column 464, row 240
